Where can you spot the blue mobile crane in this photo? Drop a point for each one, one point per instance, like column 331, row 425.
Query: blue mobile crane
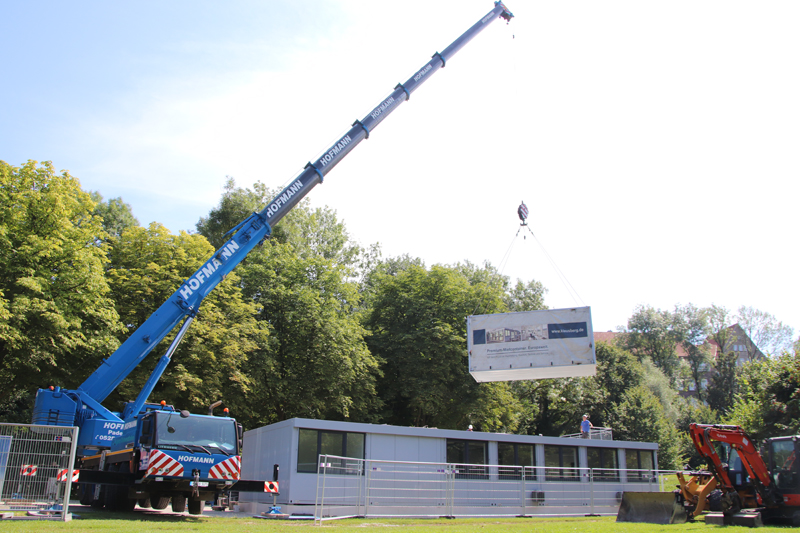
column 152, row 453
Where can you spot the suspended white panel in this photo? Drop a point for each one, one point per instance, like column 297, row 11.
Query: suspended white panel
column 553, row 343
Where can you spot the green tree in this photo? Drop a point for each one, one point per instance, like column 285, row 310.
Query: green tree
column 235, row 206
column 634, row 399
column 526, row 296
column 379, row 269
column 316, row 364
column 319, row 233
column 617, row 372
column 753, row 400
column 312, row 232
column 722, row 383
column 147, row 266
column 720, row 321
column 640, row 417
column 654, row 333
column 694, row 412
column 768, row 333
column 418, row 329
column 768, row 399
column 659, row 384
column 117, row 216
column 784, row 405
column 692, row 328
column 56, row 314
column 554, row 406
column 698, row 360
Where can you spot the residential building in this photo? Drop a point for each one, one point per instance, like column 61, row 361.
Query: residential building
column 736, row 341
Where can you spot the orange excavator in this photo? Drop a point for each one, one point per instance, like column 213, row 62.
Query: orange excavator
column 742, row 486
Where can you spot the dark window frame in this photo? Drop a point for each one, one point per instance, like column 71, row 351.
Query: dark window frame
column 640, row 474
column 529, row 471
column 319, row 435
column 469, row 469
column 562, row 475
column 604, row 472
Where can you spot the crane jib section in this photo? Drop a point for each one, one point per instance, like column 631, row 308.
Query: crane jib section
column 187, row 299
column 184, row 302
column 315, row 171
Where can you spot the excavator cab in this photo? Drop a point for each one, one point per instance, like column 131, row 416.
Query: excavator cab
column 782, row 453
column 733, row 465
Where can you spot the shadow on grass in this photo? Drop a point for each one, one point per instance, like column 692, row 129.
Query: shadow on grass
column 138, row 514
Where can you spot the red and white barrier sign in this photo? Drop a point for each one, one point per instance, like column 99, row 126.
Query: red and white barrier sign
column 62, row 475
column 28, row 470
column 161, row 464
column 227, row 469
column 271, row 487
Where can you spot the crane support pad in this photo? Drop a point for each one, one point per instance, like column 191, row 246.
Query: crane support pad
column 650, row 508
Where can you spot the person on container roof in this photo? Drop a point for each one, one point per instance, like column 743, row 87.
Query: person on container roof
column 586, row 427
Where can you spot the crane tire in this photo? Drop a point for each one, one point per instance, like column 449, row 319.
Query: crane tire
column 158, row 501
column 178, row 503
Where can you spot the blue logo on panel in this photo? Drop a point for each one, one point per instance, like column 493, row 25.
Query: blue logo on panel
column 567, row 331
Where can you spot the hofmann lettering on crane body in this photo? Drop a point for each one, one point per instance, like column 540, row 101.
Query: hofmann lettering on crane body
column 333, row 152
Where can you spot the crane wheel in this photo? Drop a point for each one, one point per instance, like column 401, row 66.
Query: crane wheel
column 178, row 503
column 159, row 502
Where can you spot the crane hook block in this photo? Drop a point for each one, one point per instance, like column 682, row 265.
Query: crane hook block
column 522, row 211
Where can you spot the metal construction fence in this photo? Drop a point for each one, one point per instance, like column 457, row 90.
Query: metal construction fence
column 349, row 487
column 36, row 468
column 596, row 432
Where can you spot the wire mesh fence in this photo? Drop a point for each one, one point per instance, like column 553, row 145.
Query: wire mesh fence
column 36, row 468
column 596, row 432
column 349, row 487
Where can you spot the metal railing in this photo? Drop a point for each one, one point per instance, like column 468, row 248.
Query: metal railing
column 599, row 433
column 36, row 468
column 349, row 487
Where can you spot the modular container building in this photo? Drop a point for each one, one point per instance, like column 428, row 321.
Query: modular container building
column 553, row 472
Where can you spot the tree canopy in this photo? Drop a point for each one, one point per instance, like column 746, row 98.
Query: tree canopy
column 316, row 364
column 116, row 215
column 312, row 324
column 57, row 316
column 146, row 266
column 418, row 329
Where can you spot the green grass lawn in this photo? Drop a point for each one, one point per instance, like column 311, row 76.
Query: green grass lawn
column 145, row 523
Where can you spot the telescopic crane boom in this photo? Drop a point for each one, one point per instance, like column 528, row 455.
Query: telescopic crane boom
column 150, row 453
column 83, row 405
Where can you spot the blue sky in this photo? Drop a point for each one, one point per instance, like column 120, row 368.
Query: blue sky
column 655, row 143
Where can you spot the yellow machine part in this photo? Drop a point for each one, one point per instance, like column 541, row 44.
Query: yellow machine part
column 696, row 489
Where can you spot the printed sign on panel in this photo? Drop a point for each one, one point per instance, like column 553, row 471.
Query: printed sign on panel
column 552, row 343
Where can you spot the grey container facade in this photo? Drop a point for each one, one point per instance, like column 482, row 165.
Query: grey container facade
column 280, row 444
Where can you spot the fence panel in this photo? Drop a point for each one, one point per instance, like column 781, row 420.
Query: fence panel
column 340, row 482
column 36, row 468
column 372, row 488
column 420, row 489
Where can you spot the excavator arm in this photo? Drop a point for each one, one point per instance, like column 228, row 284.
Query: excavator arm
column 704, row 435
